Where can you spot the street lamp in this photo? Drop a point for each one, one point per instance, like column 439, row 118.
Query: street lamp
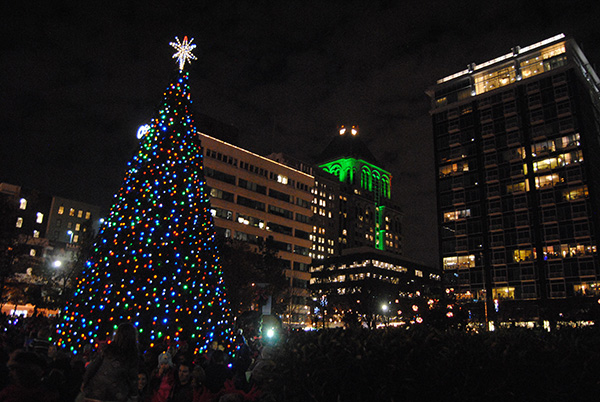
column 57, row 264
column 385, row 319
column 70, row 233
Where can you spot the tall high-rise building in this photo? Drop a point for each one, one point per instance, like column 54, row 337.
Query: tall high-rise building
column 518, row 182
column 357, row 234
column 364, row 210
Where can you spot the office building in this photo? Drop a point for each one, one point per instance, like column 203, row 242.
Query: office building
column 357, row 232
column 517, row 159
column 364, row 279
column 254, row 198
column 42, row 233
column 352, row 198
column 68, row 219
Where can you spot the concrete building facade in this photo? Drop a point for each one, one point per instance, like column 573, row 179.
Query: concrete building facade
column 254, row 198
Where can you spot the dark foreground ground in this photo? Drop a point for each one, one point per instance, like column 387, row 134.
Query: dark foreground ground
column 423, row 364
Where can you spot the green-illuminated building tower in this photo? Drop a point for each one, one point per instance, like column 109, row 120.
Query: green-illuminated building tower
column 357, row 241
column 353, row 193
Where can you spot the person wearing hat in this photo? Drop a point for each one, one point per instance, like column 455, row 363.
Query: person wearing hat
column 163, row 378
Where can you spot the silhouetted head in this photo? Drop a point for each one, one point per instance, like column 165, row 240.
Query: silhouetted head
column 126, row 336
column 124, row 344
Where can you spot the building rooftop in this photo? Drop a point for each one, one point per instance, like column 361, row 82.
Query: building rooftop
column 517, row 50
column 347, row 145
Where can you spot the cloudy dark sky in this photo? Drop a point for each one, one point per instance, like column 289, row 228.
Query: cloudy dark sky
column 76, row 80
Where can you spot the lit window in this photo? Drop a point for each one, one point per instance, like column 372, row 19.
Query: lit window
column 61, row 210
column 282, row 179
column 19, row 222
column 524, row 255
column 88, row 215
column 22, row 203
column 491, row 80
column 75, row 238
column 32, row 252
column 463, row 261
column 503, row 293
column 39, row 217
column 36, row 234
column 77, row 227
column 72, row 212
column 80, row 214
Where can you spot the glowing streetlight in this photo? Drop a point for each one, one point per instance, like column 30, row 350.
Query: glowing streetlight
column 57, row 264
column 70, row 233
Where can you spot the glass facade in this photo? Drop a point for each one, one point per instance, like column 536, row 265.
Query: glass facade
column 518, row 167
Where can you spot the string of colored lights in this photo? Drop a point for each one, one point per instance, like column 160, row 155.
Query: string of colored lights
column 155, row 262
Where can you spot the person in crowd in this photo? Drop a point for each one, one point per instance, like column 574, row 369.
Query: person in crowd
column 60, row 376
column 112, row 376
column 242, row 363
column 214, row 345
column 163, row 378
column 41, row 343
column 264, row 367
column 217, row 372
column 183, row 389
column 201, row 393
column 26, row 370
column 144, row 394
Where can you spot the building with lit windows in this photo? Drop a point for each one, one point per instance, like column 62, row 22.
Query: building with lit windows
column 28, row 211
column 362, row 280
column 354, row 218
column 254, row 198
column 353, row 189
column 45, row 230
column 67, row 220
column 516, row 148
column 352, row 202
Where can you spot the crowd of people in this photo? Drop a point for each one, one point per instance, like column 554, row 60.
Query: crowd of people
column 420, row 363
column 33, row 369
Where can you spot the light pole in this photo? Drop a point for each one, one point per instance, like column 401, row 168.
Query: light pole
column 70, row 233
column 384, row 308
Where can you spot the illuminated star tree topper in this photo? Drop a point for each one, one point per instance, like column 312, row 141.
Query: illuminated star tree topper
column 184, row 51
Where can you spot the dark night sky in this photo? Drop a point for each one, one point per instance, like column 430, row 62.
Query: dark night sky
column 76, row 80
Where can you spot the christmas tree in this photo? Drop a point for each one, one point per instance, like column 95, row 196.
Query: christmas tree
column 155, row 262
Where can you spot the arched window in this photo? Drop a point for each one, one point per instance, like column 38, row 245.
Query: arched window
column 385, row 186
column 336, row 170
column 365, row 178
column 376, row 184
